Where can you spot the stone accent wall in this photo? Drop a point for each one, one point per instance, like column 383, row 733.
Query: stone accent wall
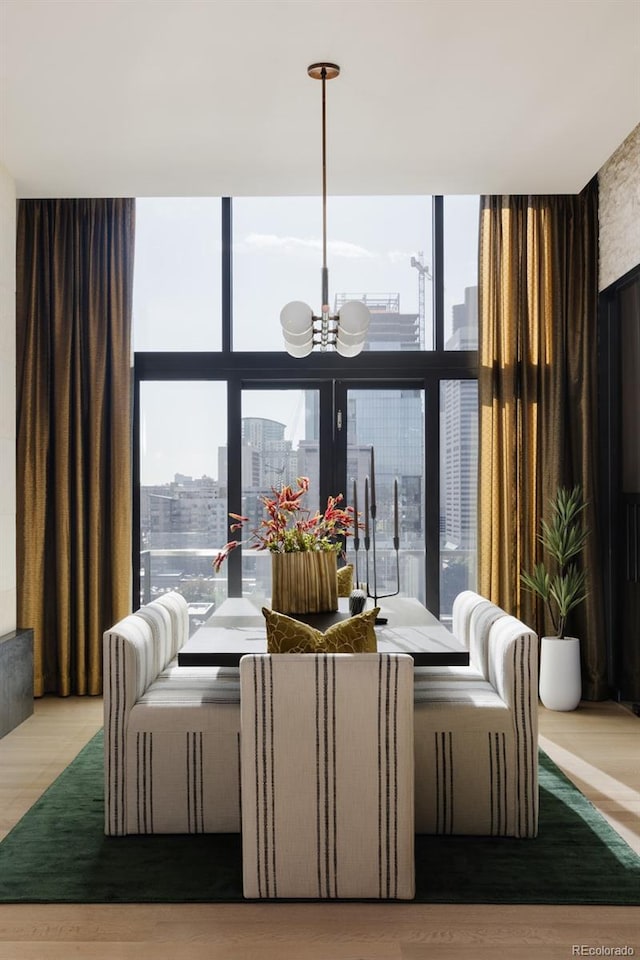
column 619, row 211
column 7, row 403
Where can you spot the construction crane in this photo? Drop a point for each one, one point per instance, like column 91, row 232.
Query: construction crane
column 423, row 271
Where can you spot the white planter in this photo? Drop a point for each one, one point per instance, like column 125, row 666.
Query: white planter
column 560, row 681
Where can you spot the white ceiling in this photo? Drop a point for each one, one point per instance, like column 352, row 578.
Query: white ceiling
column 211, row 97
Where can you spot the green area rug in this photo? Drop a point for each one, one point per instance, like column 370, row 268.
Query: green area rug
column 58, row 853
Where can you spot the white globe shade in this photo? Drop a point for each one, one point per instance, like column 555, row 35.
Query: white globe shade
column 299, row 349
column 298, row 338
column 349, row 349
column 296, row 317
column 350, row 339
column 354, row 317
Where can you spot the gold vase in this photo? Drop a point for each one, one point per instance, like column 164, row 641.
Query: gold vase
column 304, row 582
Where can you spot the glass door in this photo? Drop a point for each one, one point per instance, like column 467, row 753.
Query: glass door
column 231, row 443
column 280, row 441
column 386, row 422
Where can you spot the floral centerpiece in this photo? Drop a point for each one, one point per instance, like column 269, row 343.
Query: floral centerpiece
column 304, row 546
column 290, row 528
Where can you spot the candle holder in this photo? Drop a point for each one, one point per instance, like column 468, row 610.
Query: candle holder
column 371, row 513
column 356, row 535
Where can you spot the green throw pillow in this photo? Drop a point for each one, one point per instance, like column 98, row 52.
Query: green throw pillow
column 345, row 580
column 286, row 635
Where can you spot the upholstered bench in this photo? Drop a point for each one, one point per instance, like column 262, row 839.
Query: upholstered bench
column 171, row 734
column 473, row 617
column 476, row 737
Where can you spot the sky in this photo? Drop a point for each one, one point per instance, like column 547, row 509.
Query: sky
column 277, row 256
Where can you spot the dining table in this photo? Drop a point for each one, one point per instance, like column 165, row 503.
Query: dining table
column 237, row 627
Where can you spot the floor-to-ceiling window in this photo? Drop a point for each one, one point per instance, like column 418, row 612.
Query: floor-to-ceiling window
column 222, row 413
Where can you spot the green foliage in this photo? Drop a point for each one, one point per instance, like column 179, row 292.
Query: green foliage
column 563, row 538
column 300, row 541
column 290, row 528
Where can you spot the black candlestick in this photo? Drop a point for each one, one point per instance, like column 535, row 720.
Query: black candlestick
column 371, row 512
column 356, row 533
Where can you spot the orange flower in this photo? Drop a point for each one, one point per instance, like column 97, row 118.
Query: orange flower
column 290, row 528
column 224, row 553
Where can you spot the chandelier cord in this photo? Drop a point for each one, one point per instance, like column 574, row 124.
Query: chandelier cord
column 325, row 270
column 302, row 329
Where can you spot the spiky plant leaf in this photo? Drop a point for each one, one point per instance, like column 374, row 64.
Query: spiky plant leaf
column 568, row 589
column 563, row 537
column 539, row 582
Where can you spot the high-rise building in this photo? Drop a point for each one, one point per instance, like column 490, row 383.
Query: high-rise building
column 459, row 435
column 276, row 461
column 464, row 331
column 459, row 461
column 389, row 329
column 392, row 423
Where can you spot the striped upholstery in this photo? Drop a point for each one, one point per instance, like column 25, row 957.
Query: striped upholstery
column 473, row 617
column 476, row 741
column 178, row 609
column 159, row 619
column 128, row 668
column 182, row 760
column 327, row 776
column 171, row 733
column 463, row 605
column 188, row 685
column 475, row 692
column 171, row 750
column 513, row 671
column 482, row 618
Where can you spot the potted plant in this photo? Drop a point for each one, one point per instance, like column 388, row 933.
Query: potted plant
column 562, row 588
column 303, row 545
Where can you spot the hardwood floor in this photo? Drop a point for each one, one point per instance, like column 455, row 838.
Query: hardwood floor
column 598, row 746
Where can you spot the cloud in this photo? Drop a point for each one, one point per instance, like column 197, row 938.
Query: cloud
column 298, row 245
column 271, row 241
column 350, row 251
column 398, row 256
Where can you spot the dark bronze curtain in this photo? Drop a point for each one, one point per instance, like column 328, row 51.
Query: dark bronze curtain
column 538, row 297
column 74, row 292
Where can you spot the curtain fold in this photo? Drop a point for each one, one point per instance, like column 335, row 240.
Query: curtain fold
column 73, row 333
column 538, row 296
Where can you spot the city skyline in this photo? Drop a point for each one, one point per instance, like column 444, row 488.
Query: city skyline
column 189, row 514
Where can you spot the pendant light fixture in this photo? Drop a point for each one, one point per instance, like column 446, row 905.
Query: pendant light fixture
column 345, row 331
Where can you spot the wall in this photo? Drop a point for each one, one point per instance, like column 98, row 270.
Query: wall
column 619, row 211
column 7, row 403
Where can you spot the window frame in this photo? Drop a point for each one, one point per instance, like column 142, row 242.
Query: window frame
column 422, row 369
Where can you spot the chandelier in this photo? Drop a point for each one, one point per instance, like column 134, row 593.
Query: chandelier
column 346, row 330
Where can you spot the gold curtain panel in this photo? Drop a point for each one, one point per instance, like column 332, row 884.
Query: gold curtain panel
column 74, row 293
column 538, row 296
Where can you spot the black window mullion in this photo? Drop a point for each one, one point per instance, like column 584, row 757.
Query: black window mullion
column 432, row 494
column 438, row 273
column 234, row 477
column 227, row 275
column 332, row 446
